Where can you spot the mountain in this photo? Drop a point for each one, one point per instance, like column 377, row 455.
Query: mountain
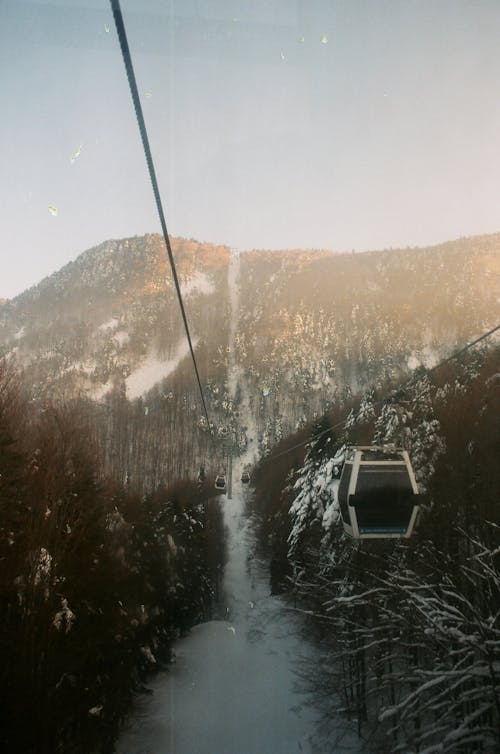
column 279, row 336
column 101, row 316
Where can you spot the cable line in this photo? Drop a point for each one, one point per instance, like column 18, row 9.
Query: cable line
column 393, row 395
column 122, row 36
column 465, row 348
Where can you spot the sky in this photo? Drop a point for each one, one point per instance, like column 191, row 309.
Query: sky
column 338, row 124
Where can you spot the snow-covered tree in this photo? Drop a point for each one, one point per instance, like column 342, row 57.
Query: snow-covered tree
column 314, row 505
column 408, row 421
column 366, row 411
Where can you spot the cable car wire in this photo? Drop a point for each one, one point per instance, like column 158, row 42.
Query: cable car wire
column 393, row 395
column 465, row 348
column 122, row 36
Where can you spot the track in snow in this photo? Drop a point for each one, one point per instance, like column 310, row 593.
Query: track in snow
column 233, row 687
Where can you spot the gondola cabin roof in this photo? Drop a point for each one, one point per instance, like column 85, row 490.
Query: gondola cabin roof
column 378, row 493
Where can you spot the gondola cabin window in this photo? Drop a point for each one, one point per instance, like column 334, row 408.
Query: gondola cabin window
column 378, row 494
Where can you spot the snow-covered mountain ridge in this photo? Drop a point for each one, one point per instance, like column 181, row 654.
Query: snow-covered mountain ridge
column 305, row 316
column 110, row 313
column 310, row 327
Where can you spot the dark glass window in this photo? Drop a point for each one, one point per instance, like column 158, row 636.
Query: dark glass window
column 384, row 509
column 376, row 477
column 343, row 492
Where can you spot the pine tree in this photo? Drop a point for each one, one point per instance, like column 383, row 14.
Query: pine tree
column 408, row 421
column 314, row 486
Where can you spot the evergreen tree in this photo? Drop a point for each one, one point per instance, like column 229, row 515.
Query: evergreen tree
column 408, row 421
column 314, row 490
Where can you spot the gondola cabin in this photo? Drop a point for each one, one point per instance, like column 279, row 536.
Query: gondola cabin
column 220, row 482
column 378, row 494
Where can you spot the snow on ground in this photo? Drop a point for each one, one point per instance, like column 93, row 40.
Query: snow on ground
column 19, row 334
column 87, row 366
column 234, row 686
column 236, row 375
column 199, row 283
column 233, row 282
column 110, row 324
column 149, row 373
column 121, row 337
column 428, row 358
column 153, row 370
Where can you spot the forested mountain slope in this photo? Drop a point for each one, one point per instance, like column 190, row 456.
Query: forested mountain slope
column 324, row 323
column 307, row 328
column 96, row 581
column 91, row 324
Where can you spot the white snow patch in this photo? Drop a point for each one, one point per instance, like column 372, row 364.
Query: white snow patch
column 146, row 651
column 230, row 673
column 64, row 618
column 110, row 324
column 19, row 334
column 332, row 511
column 121, row 337
column 199, row 283
column 153, row 370
column 100, row 391
column 44, row 566
column 428, row 358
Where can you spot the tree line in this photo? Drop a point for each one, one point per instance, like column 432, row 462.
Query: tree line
column 410, row 630
column 96, row 580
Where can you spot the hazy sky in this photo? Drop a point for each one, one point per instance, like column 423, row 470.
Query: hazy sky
column 273, row 123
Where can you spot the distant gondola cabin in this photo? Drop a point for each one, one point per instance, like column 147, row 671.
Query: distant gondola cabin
column 378, row 494
column 220, row 482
